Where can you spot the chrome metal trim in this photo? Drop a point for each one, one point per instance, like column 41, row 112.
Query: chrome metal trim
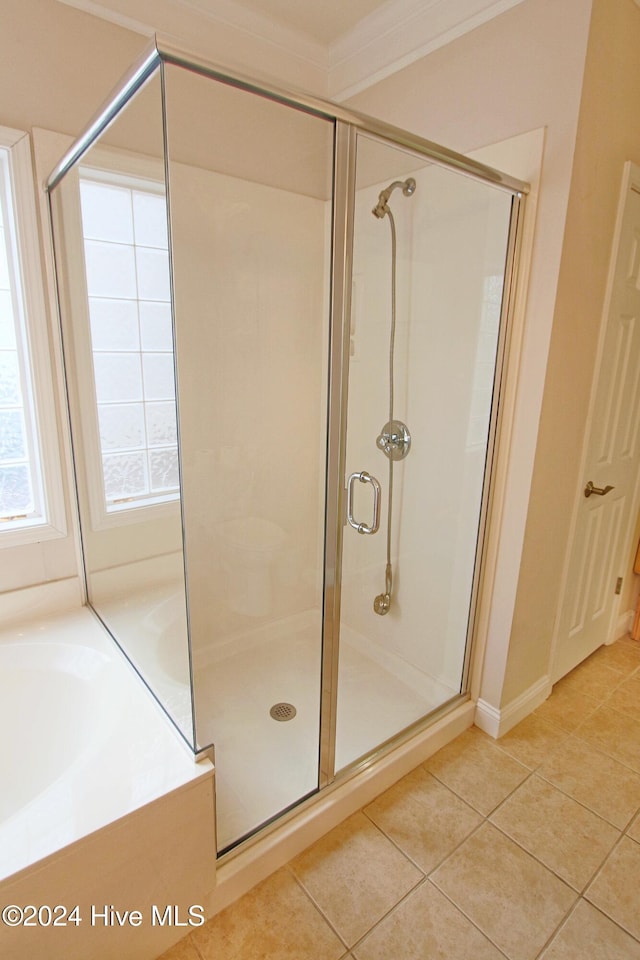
column 486, row 506
column 206, row 753
column 343, row 214
column 364, row 477
column 171, row 53
column 136, row 76
column 176, row 373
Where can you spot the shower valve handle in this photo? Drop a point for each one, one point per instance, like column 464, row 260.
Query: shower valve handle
column 363, row 477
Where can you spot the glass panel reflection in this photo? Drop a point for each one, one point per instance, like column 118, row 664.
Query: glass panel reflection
column 110, row 230
column 250, row 189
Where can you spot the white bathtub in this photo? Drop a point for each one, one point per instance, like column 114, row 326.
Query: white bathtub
column 99, row 800
column 60, row 701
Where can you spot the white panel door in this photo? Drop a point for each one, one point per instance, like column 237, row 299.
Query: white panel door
column 603, row 520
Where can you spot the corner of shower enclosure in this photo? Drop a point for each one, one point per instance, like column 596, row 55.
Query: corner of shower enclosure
column 109, row 217
column 278, row 315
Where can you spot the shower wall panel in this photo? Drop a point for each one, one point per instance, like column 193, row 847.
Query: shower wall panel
column 250, row 275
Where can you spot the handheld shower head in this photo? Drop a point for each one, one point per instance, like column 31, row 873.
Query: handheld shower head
column 407, row 186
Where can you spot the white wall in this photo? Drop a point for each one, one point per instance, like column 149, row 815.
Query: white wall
column 608, row 135
column 250, row 276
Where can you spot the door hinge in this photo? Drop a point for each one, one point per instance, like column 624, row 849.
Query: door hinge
column 618, row 585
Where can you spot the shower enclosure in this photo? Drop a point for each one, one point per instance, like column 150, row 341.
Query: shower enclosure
column 284, row 327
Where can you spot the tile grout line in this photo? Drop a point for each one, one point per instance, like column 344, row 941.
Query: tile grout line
column 602, row 866
column 195, row 946
column 556, row 746
column 621, row 830
column 626, row 833
column 540, row 863
column 408, row 893
column 424, row 880
column 427, row 873
column 469, row 804
column 316, row 905
column 595, row 877
column 559, row 928
column 534, row 771
column 585, row 806
column 602, row 753
column 611, row 920
column 467, row 917
column 578, row 892
column 599, row 749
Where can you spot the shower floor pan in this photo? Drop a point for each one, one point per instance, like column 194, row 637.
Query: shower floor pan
column 263, row 766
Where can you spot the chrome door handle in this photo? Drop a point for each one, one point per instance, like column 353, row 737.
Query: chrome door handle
column 363, row 477
column 598, row 491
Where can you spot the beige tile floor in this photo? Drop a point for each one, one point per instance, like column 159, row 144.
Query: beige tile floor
column 524, row 848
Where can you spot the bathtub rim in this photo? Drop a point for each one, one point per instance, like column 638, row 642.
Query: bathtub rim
column 141, row 725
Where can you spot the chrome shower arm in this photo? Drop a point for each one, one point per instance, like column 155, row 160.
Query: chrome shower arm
column 407, row 186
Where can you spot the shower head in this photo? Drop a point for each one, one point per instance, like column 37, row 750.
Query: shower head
column 407, row 186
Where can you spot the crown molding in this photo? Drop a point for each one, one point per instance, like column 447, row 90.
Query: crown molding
column 398, row 34
column 225, row 32
column 235, row 15
column 111, row 15
column 392, row 37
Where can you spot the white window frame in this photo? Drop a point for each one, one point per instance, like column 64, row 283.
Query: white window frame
column 49, row 522
column 120, row 168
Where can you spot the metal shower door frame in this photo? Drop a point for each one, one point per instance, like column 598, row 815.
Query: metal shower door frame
column 347, row 125
column 339, row 359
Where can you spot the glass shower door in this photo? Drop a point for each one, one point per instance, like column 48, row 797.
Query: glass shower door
column 429, row 254
column 250, row 189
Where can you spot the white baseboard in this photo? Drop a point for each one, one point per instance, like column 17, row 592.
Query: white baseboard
column 496, row 722
column 623, row 625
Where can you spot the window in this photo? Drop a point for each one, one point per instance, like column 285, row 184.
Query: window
column 30, row 488
column 129, row 303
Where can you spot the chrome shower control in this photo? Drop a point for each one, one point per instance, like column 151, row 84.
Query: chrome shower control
column 394, row 440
